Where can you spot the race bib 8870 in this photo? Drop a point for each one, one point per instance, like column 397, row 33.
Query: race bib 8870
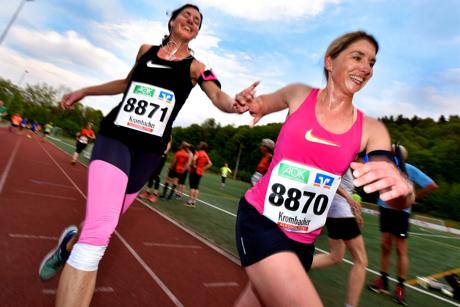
column 146, row 108
column 298, row 197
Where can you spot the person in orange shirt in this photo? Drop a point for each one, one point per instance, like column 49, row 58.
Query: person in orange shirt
column 16, row 120
column 201, row 162
column 83, row 137
column 266, row 148
column 177, row 169
column 181, row 182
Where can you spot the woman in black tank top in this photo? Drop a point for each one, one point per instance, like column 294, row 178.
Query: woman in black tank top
column 131, row 139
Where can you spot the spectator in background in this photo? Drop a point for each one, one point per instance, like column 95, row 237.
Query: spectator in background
column 16, row 120
column 200, row 164
column 181, row 182
column 177, row 170
column 394, row 228
column 266, row 148
column 83, row 138
column 224, row 172
column 155, row 178
column 3, row 111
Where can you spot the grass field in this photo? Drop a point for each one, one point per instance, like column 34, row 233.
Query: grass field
column 431, row 251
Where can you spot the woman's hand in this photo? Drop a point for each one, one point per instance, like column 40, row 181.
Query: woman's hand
column 244, row 100
column 68, row 100
column 383, row 176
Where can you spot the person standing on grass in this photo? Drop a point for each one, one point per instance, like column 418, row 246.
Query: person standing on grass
column 201, row 162
column 129, row 145
column 177, row 170
column 47, row 130
column 83, row 138
column 343, row 229
column 280, row 217
column 3, row 111
column 224, row 172
column 154, row 180
column 394, row 228
column 266, row 148
column 181, row 180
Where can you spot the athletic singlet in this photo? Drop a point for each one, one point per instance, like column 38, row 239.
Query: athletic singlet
column 202, row 159
column 181, row 157
column 304, row 151
column 85, row 134
column 171, row 81
column 340, row 207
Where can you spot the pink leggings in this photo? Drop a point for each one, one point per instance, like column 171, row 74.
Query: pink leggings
column 116, row 174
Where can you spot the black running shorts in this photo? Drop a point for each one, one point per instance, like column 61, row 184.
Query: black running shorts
column 344, row 228
column 395, row 222
column 257, row 237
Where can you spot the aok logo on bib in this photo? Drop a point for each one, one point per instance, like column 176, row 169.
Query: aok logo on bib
column 299, row 196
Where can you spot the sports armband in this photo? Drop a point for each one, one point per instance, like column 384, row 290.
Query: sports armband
column 379, row 155
column 208, row 75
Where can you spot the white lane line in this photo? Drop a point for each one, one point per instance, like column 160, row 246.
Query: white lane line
column 8, row 165
column 51, row 183
column 221, row 284
column 192, row 233
column 433, row 235
column 98, row 289
column 208, row 204
column 46, row 195
column 172, row 245
column 394, row 280
column 160, row 283
column 26, row 236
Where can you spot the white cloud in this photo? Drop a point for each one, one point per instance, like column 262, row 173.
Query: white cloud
column 261, row 10
column 400, row 98
column 452, row 75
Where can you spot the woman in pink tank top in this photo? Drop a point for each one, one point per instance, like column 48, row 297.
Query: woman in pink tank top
column 280, row 217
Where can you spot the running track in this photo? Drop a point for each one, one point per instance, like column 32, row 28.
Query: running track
column 150, row 261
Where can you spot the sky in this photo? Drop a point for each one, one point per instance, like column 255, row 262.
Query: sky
column 70, row 44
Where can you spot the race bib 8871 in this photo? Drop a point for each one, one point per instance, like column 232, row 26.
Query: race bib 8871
column 146, row 108
column 298, row 197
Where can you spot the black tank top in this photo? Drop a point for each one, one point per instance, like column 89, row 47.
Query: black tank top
column 170, row 75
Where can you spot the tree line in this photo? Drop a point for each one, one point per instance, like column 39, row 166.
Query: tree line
column 433, row 145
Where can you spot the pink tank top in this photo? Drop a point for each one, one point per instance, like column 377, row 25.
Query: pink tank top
column 303, row 140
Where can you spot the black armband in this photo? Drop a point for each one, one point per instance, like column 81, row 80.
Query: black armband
column 208, row 75
column 379, row 155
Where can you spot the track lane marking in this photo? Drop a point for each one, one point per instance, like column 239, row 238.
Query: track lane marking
column 46, row 195
column 172, row 245
column 8, row 165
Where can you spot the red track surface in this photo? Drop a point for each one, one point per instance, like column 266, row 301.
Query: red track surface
column 150, row 261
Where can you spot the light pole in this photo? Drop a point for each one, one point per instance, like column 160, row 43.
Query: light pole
column 12, row 20
column 22, row 77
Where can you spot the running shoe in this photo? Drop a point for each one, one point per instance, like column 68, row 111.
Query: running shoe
column 378, row 286
column 177, row 196
column 56, row 258
column 400, row 295
column 144, row 195
column 153, row 198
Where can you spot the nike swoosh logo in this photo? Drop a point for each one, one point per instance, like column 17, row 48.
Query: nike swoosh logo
column 153, row 65
column 309, row 137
